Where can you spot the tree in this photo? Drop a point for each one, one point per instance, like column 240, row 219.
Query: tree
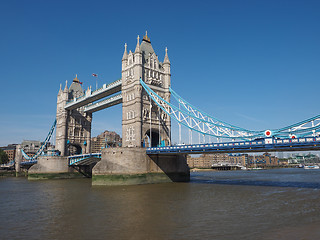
column 3, row 157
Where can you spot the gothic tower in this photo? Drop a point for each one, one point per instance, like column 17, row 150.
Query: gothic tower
column 143, row 123
column 73, row 130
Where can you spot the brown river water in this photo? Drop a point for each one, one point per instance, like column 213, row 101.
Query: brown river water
column 262, row 204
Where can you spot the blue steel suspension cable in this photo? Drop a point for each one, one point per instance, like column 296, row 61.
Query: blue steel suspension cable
column 179, row 98
column 275, row 132
column 40, row 150
column 149, row 90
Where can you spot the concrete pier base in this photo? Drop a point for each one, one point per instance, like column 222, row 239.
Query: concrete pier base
column 52, row 167
column 130, row 166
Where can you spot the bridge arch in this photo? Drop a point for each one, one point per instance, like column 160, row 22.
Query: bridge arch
column 74, row 148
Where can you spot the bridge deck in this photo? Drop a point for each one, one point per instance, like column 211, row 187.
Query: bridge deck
column 84, row 159
column 109, row 102
column 266, row 145
column 98, row 94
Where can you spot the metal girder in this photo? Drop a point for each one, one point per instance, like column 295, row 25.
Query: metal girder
column 89, row 97
column 106, row 103
column 44, row 144
column 201, row 122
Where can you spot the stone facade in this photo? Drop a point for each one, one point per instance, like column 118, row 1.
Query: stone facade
column 73, row 130
column 143, row 124
column 140, row 118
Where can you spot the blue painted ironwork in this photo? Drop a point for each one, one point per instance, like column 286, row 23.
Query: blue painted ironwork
column 44, row 144
column 199, row 121
column 77, row 159
column 262, row 145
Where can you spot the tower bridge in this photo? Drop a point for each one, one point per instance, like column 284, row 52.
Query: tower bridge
column 147, row 154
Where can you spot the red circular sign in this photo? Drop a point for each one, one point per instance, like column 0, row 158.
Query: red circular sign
column 267, row 133
column 293, row 136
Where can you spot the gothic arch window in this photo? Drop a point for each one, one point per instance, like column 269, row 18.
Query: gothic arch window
column 130, row 135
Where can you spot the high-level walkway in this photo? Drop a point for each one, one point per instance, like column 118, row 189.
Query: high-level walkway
column 90, row 97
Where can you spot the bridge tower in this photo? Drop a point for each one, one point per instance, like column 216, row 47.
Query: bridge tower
column 73, row 130
column 143, row 123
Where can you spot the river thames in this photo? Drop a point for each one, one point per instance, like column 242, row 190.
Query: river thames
column 262, row 204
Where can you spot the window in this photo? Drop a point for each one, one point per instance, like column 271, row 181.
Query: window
column 130, row 134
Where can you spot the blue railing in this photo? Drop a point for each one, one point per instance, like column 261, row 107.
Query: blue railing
column 268, row 144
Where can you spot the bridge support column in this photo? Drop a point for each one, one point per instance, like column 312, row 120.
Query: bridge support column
column 18, row 160
column 52, row 167
column 131, row 166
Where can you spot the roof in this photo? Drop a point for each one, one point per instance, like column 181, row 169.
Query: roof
column 146, row 48
column 75, row 89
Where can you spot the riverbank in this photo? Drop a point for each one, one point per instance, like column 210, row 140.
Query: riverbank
column 214, row 170
column 6, row 173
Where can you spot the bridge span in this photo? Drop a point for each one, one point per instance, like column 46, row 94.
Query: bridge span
column 263, row 145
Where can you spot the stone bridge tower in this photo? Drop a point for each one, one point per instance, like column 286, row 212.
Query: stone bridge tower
column 143, row 123
column 73, row 130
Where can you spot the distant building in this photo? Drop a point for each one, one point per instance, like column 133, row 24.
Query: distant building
column 105, row 139
column 240, row 159
column 223, row 159
column 203, row 161
column 30, row 147
column 220, row 159
column 263, row 160
column 10, row 150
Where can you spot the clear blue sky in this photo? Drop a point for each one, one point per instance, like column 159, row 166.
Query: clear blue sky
column 255, row 64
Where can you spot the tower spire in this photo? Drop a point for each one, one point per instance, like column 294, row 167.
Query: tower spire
column 66, row 87
column 138, row 45
column 146, row 38
column 125, row 54
column 166, row 58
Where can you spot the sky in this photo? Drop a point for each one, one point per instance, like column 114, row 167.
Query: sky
column 254, row 64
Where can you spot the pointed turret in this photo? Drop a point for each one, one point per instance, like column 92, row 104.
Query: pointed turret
column 138, row 45
column 60, row 90
column 66, row 87
column 166, row 58
column 166, row 66
column 125, row 57
column 125, row 54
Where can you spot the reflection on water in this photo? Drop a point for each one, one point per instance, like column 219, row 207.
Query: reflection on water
column 268, row 204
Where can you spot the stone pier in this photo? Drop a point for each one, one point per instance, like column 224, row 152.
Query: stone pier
column 52, row 167
column 130, row 166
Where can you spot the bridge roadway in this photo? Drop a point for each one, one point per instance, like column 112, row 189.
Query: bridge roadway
column 90, row 97
column 263, row 145
column 84, row 159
